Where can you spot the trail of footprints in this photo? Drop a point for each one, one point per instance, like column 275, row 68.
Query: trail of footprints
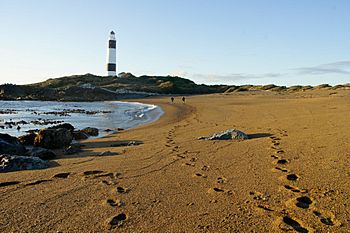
column 191, row 161
column 303, row 201
column 108, row 178
column 111, row 179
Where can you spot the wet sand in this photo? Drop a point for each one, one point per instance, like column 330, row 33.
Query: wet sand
column 293, row 174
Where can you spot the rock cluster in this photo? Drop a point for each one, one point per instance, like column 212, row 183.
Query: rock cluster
column 31, row 151
column 79, row 135
column 90, row 131
column 27, row 139
column 10, row 163
column 41, row 153
column 10, row 145
column 53, row 138
column 14, row 156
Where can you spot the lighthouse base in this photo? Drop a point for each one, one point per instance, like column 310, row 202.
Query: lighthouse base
column 112, row 73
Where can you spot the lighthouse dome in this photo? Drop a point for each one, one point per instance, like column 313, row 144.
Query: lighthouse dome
column 112, row 35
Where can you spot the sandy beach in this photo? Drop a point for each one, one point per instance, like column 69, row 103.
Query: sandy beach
column 291, row 175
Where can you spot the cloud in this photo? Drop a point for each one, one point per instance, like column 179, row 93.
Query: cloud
column 342, row 67
column 233, row 77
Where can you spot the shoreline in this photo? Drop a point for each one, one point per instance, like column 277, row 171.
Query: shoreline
column 107, row 116
column 174, row 182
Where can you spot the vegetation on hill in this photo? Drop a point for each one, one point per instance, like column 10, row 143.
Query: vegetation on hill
column 91, row 87
column 127, row 81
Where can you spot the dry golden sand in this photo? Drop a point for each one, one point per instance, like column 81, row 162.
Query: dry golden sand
column 176, row 183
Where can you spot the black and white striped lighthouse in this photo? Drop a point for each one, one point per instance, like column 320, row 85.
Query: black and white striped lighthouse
column 112, row 55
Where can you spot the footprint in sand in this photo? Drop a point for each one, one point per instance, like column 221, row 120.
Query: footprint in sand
column 275, row 138
column 9, row 183
column 92, row 172
column 63, row 175
column 295, row 189
column 181, row 156
column 279, row 151
column 118, row 220
column 37, row 182
column 200, row 175
column 275, row 156
column 189, row 164
column 114, row 203
column 294, row 224
column 122, row 190
column 109, row 174
column 216, row 190
column 281, row 169
column 221, row 180
column 175, row 150
column 282, row 161
column 325, row 220
column 292, row 177
column 275, row 143
column 303, row 202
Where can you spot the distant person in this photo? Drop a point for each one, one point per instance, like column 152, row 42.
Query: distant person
column 172, row 99
column 183, row 99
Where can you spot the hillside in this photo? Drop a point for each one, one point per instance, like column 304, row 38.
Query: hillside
column 127, row 81
column 90, row 87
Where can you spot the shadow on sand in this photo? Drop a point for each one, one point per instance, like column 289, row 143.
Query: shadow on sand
column 120, row 143
column 87, row 149
column 259, row 135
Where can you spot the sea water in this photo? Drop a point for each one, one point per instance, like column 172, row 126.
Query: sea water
column 106, row 115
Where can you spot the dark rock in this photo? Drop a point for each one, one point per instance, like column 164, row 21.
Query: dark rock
column 53, row 138
column 106, row 153
column 27, row 139
column 10, row 163
column 73, row 149
column 230, row 134
column 11, row 145
column 63, row 126
column 110, row 131
column 79, row 135
column 90, row 131
column 126, row 143
column 41, row 153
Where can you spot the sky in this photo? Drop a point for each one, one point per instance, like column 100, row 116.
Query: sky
column 285, row 42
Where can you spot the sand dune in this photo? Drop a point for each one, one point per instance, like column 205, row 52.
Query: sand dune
column 293, row 174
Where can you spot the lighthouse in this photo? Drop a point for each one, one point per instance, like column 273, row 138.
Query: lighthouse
column 112, row 55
